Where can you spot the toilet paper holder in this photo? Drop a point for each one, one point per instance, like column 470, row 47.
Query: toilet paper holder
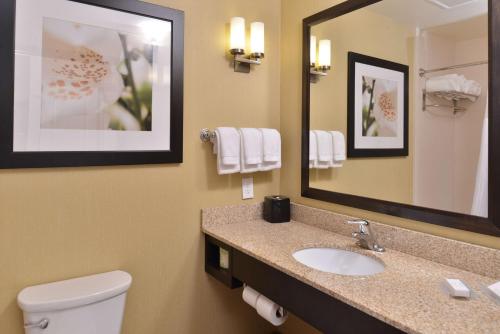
column 265, row 307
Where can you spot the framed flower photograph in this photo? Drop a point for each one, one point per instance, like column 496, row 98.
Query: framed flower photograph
column 377, row 107
column 90, row 82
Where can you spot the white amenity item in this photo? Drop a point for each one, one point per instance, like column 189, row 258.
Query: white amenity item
column 92, row 304
column 494, row 290
column 339, row 261
column 457, row 288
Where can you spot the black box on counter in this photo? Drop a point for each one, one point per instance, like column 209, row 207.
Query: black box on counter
column 277, row 209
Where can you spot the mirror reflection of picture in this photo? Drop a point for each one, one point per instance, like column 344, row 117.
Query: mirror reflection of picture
column 380, row 113
column 95, row 78
column 378, row 107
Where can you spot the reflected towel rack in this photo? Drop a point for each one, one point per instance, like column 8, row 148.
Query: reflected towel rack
column 454, row 97
column 423, row 72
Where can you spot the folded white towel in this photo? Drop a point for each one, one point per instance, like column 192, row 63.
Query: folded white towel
column 271, row 142
column 339, row 155
column 313, row 150
column 325, row 148
column 227, row 148
column 251, row 150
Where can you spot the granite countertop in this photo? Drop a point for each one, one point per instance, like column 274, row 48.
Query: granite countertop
column 407, row 295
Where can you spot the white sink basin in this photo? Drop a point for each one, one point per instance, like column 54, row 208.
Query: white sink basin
column 339, row 261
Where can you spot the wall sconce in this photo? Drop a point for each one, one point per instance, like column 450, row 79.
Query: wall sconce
column 237, row 44
column 320, row 59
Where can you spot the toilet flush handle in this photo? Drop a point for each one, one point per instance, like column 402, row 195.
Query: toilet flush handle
column 42, row 324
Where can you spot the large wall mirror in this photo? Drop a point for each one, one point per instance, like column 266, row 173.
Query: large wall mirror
column 397, row 114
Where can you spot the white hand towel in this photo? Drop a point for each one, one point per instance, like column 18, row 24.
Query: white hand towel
column 339, row 155
column 227, row 148
column 313, row 150
column 251, row 150
column 271, row 142
column 325, row 148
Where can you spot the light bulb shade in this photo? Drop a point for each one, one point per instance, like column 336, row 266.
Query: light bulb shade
column 237, row 39
column 325, row 57
column 312, row 54
column 257, row 39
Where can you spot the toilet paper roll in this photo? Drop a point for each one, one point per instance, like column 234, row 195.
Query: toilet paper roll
column 271, row 311
column 250, row 296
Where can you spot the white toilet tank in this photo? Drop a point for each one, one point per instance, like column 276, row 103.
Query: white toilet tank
column 86, row 305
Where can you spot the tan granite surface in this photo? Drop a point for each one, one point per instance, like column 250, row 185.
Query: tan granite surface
column 407, row 295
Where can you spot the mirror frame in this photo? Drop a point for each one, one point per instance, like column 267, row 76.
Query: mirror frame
column 488, row 226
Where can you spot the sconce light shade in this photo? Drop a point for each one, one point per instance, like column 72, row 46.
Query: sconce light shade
column 237, row 41
column 325, row 58
column 257, row 39
column 312, row 54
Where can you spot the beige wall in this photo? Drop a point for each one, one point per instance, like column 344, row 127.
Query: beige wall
column 369, row 33
column 293, row 13
column 63, row 223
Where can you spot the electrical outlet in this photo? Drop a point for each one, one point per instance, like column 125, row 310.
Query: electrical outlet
column 247, row 187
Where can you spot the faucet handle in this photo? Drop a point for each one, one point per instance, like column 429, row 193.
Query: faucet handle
column 363, row 225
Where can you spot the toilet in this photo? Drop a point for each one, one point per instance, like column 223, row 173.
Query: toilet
column 85, row 305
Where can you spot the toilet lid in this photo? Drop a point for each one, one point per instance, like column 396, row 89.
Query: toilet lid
column 73, row 292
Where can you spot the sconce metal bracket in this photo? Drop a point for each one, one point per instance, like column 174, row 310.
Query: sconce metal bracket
column 316, row 74
column 242, row 64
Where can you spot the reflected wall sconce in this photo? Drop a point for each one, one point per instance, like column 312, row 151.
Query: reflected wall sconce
column 320, row 57
column 238, row 41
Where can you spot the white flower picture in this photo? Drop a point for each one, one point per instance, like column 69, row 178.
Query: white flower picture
column 95, row 78
column 380, row 113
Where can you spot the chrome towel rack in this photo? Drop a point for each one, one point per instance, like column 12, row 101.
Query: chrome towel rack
column 423, row 72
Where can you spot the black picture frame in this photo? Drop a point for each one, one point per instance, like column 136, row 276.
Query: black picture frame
column 487, row 226
column 353, row 152
column 11, row 159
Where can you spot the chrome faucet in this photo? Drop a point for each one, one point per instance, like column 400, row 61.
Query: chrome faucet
column 365, row 235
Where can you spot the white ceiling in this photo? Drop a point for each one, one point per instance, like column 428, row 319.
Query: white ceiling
column 424, row 13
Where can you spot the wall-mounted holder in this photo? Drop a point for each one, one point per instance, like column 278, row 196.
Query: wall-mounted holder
column 213, row 262
column 317, row 72
column 206, row 135
column 454, row 97
column 242, row 63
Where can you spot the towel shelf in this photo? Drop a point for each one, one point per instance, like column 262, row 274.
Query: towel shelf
column 454, row 96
